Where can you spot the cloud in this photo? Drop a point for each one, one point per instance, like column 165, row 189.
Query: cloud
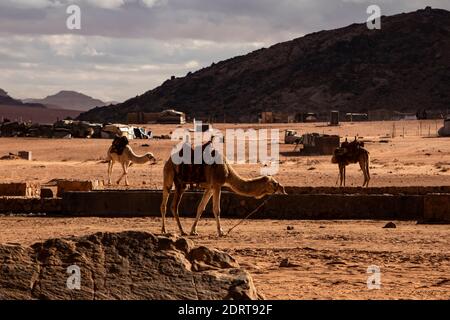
column 108, row 68
column 126, row 47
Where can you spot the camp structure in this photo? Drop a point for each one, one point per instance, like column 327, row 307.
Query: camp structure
column 445, row 130
column 169, row 116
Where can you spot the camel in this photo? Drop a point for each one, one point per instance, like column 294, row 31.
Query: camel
column 122, row 153
column 350, row 153
column 213, row 178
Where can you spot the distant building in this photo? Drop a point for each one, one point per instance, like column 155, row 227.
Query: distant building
column 306, row 117
column 318, row 144
column 165, row 117
column 381, row 115
column 334, row 118
column 356, row 117
column 445, row 130
column 275, row 117
column 404, row 116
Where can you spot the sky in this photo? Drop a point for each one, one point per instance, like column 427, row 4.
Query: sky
column 127, row 47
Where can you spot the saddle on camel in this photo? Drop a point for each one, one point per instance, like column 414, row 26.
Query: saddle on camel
column 119, row 144
column 191, row 173
column 350, row 153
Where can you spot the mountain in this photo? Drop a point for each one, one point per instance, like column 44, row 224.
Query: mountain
column 404, row 66
column 33, row 114
column 69, row 100
column 6, row 100
column 16, row 110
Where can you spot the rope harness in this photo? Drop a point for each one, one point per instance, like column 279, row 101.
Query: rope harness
column 249, row 215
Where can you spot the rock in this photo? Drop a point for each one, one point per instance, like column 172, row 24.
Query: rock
column 290, row 228
column 390, row 225
column 127, row 265
column 285, row 263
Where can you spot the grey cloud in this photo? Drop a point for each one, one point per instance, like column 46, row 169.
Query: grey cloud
column 126, row 47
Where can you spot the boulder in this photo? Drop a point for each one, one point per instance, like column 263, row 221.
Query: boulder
column 390, row 225
column 127, row 265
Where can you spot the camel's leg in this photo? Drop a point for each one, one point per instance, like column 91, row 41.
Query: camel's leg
column 201, row 208
column 368, row 171
column 124, row 172
column 216, row 210
column 168, row 176
column 364, row 164
column 175, row 206
column 163, row 209
column 127, row 166
column 344, row 170
column 110, row 168
column 341, row 174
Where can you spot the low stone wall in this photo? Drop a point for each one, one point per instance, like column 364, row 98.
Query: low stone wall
column 433, row 208
column 24, row 205
column 77, row 185
column 319, row 206
column 436, row 208
column 370, row 191
column 20, row 189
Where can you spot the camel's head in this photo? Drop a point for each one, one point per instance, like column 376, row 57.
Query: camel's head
column 274, row 187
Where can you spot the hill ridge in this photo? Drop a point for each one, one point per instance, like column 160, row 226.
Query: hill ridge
column 405, row 66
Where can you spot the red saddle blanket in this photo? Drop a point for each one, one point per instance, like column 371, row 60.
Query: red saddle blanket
column 193, row 173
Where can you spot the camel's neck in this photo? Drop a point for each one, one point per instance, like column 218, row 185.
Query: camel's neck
column 133, row 157
column 246, row 187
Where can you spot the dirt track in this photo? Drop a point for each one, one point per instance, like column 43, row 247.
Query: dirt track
column 331, row 257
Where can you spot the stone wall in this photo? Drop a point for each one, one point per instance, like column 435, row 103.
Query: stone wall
column 432, row 207
column 313, row 206
column 20, row 189
column 24, row 205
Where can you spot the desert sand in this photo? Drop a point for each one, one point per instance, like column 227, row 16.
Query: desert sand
column 329, row 258
column 400, row 161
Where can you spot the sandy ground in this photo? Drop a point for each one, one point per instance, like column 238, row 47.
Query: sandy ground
column 399, row 161
column 330, row 257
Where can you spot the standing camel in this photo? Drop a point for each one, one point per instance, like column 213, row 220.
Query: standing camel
column 350, row 153
column 122, row 153
column 212, row 179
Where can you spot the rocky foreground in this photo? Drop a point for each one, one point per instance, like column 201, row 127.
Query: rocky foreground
column 127, row 265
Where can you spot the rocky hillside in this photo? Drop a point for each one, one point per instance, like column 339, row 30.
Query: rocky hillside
column 404, row 66
column 70, row 100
